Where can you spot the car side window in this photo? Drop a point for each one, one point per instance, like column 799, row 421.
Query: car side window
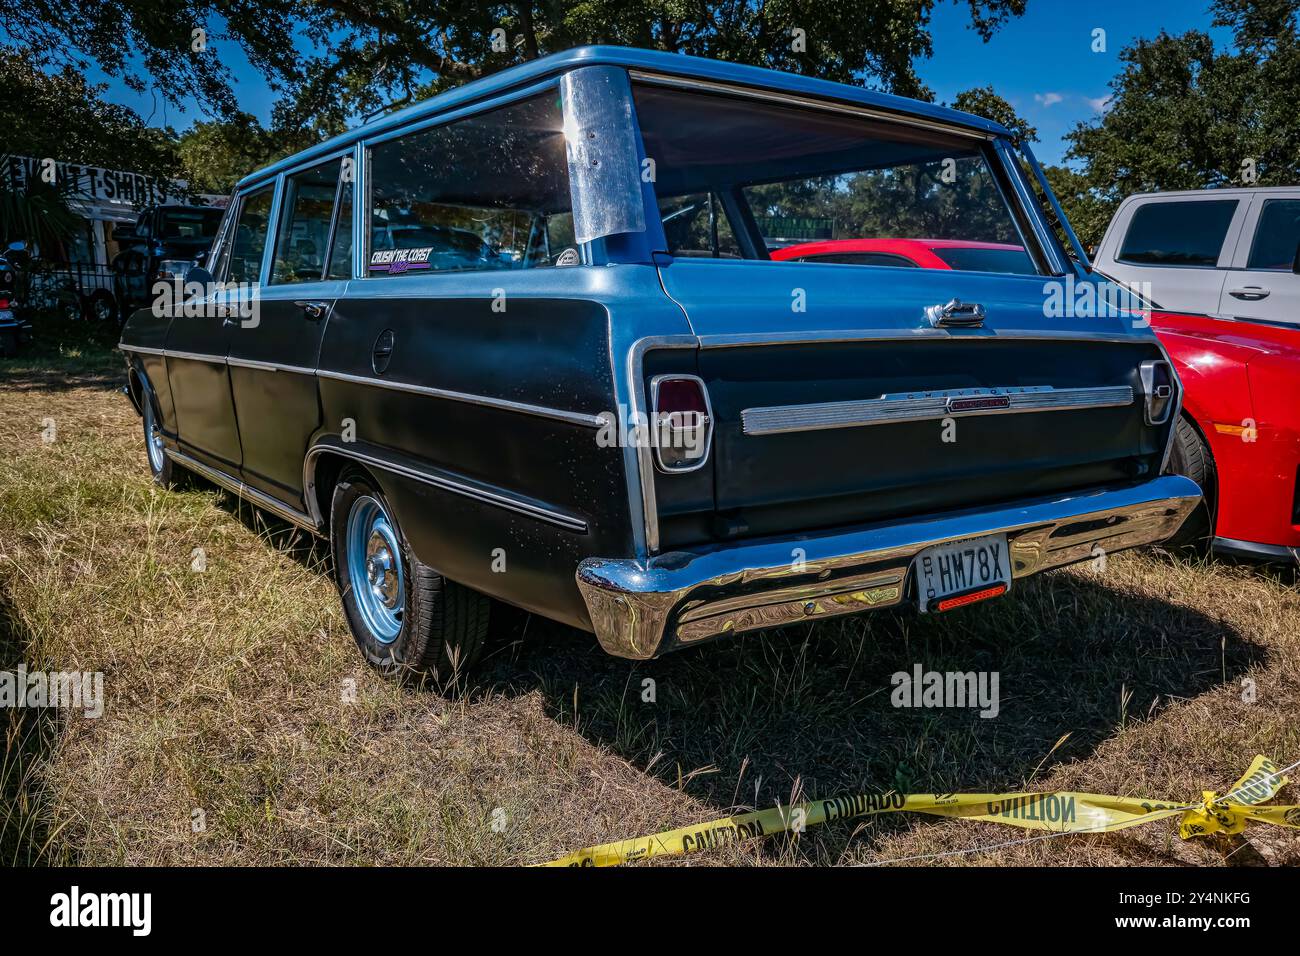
column 340, row 266
column 304, row 234
column 697, row 225
column 1178, row 233
column 1276, row 236
column 249, row 240
column 489, row 192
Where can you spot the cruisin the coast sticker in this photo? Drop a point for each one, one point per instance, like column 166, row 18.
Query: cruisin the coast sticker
column 394, row 261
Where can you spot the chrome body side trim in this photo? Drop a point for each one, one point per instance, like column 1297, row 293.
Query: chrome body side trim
column 141, row 349
column 924, row 406
column 234, row 362
column 832, row 336
column 443, row 481
column 248, row 493
column 195, row 357
column 640, row 609
column 540, row 411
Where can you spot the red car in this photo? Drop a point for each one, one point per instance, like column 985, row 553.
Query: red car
column 961, row 254
column 1239, row 434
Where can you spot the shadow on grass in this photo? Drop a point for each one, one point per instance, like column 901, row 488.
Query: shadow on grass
column 744, row 721
column 28, row 735
column 807, row 712
column 66, row 355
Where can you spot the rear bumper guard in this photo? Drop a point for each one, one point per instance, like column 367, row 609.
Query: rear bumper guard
column 643, row 609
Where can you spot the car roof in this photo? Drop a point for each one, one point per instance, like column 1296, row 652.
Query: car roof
column 1232, row 192
column 651, row 61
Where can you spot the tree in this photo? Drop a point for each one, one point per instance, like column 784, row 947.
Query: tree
column 1185, row 116
column 62, row 116
column 982, row 101
column 336, row 57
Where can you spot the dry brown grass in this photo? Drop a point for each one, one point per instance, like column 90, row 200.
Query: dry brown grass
column 225, row 694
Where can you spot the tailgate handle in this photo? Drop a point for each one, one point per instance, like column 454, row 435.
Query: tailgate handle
column 956, row 313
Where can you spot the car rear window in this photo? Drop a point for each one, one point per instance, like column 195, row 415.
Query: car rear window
column 1178, row 233
column 1276, row 236
column 784, row 174
column 987, row 260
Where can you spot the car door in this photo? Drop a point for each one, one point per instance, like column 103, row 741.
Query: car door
column 273, row 359
column 1263, row 285
column 1176, row 248
column 199, row 338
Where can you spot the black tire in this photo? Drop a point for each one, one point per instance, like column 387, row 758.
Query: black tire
column 101, row 308
column 166, row 473
column 444, row 625
column 1190, row 457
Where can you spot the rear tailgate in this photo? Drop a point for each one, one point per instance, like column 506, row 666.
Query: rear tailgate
column 840, row 414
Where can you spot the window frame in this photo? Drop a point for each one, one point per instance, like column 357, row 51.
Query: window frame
column 363, row 194
column 281, row 190
column 1224, row 250
column 1022, row 209
column 1254, row 239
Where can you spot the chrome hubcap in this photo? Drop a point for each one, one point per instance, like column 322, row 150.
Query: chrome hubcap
column 375, row 569
column 153, row 438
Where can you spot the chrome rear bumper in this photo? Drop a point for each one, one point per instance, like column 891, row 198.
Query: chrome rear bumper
column 643, row 609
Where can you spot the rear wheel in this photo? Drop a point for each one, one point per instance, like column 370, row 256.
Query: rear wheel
column 1190, row 457
column 166, row 473
column 406, row 618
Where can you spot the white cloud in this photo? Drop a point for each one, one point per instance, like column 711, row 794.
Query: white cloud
column 1048, row 99
column 1099, row 104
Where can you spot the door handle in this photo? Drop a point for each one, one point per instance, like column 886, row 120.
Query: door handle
column 956, row 313
column 1251, row 293
column 313, row 310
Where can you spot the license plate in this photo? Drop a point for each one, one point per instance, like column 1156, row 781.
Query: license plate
column 962, row 572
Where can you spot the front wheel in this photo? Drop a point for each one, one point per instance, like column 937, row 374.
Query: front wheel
column 406, row 618
column 1190, row 457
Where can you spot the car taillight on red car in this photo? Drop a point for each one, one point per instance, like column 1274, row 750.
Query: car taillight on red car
column 681, row 422
column 1159, row 389
column 4, row 303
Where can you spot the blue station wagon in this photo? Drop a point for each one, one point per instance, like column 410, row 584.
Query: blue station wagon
column 528, row 342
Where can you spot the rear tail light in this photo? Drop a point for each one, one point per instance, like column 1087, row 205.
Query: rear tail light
column 4, row 303
column 1159, row 390
column 681, row 422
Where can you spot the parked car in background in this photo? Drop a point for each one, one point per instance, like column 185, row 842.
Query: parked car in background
column 1239, row 433
column 1233, row 253
column 164, row 244
column 962, row 254
column 611, row 406
column 14, row 329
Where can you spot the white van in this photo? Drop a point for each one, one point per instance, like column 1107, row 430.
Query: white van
column 1233, row 253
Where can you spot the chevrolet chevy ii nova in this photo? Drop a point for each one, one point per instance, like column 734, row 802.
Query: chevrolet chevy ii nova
column 526, row 341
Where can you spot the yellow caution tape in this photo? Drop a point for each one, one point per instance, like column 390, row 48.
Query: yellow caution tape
column 1063, row 812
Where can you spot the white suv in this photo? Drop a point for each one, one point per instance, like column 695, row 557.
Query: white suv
column 1233, row 253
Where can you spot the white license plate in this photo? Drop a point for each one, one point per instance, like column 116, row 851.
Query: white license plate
column 978, row 567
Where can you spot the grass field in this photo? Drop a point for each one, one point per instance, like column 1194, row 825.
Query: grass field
column 237, row 705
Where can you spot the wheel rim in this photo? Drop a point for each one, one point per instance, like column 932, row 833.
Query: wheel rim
column 153, row 438
column 375, row 569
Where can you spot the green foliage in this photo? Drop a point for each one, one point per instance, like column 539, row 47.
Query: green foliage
column 982, row 101
column 336, row 57
column 62, row 116
column 1185, row 116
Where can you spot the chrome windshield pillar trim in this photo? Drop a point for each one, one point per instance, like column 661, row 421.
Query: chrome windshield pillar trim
column 642, row 608
column 930, row 405
column 539, row 411
column 252, row 495
column 446, row 482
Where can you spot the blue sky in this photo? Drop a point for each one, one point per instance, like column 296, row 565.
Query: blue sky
column 1042, row 63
